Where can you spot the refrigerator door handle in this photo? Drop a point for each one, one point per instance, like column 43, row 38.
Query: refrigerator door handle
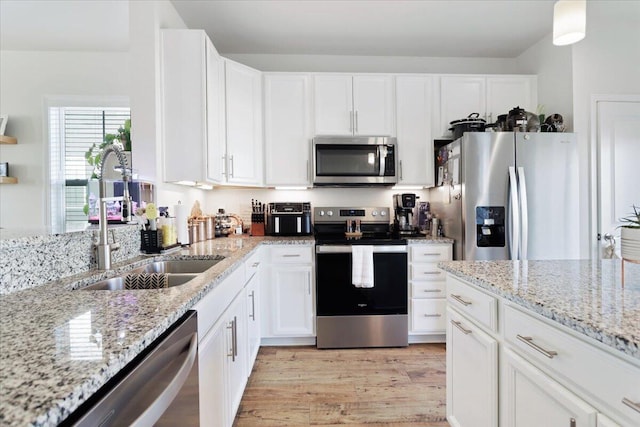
column 522, row 188
column 515, row 214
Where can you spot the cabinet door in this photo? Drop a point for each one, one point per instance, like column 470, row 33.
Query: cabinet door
column 252, row 298
column 244, row 124
column 472, row 374
column 287, row 129
column 184, row 108
column 216, row 140
column 373, row 101
column 505, row 93
column 291, row 300
column 533, row 399
column 415, row 142
column 333, row 102
column 460, row 96
column 213, row 376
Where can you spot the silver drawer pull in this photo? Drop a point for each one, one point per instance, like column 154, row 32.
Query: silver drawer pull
column 459, row 326
column 631, row 404
column 529, row 341
column 460, row 300
column 431, row 254
column 291, row 255
column 255, row 265
column 432, row 272
column 431, row 290
column 433, row 315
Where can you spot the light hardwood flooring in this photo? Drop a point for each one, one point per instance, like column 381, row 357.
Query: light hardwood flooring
column 303, row 386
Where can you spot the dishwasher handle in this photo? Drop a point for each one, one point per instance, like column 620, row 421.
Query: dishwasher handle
column 162, row 402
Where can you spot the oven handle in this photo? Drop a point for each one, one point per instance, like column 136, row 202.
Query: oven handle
column 346, row 249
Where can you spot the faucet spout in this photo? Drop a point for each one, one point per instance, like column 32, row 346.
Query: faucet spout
column 103, row 247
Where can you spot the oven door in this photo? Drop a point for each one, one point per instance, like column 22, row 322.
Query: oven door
column 337, row 296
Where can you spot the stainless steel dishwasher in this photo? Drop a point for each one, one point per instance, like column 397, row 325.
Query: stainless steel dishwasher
column 158, row 388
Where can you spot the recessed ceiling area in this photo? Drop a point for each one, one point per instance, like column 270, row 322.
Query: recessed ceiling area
column 418, row 28
column 476, row 28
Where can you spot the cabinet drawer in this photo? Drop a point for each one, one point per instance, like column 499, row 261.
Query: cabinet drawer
column 480, row 307
column 576, row 362
column 428, row 315
column 427, row 271
column 422, row 290
column 291, row 254
column 424, row 253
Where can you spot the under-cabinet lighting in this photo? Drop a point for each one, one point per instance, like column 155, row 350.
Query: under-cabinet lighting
column 407, row 187
column 569, row 21
column 291, row 188
column 189, row 183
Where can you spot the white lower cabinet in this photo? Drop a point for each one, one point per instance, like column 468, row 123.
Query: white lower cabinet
column 288, row 297
column 532, row 399
column 472, row 374
column 252, row 297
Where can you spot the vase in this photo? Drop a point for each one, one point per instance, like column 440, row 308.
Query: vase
column 630, row 243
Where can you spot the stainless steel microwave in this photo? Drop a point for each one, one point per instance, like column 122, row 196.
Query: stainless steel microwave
column 354, row 160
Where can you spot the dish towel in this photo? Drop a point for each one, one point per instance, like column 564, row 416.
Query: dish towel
column 362, row 266
column 146, row 281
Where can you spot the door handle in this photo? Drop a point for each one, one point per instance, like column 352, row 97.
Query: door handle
column 252, row 295
column 522, row 187
column 529, row 341
column 515, row 214
column 459, row 326
column 356, row 121
column 231, row 171
column 631, row 404
column 460, row 300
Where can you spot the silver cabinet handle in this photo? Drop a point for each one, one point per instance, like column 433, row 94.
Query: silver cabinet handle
column 460, row 300
column 291, row 256
column 431, row 290
column 252, row 295
column 400, row 167
column 231, row 171
column 224, row 165
column 459, row 326
column 255, row 265
column 356, row 121
column 235, row 338
column 232, row 352
column 434, row 315
column 432, row 272
column 529, row 341
column 631, row 404
column 431, row 254
column 572, row 422
column 351, row 121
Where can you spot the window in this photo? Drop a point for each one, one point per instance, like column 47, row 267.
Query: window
column 72, row 131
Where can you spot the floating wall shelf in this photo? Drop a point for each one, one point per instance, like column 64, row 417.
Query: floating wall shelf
column 8, row 139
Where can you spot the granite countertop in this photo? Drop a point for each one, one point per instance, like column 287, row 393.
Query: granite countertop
column 60, row 345
column 586, row 296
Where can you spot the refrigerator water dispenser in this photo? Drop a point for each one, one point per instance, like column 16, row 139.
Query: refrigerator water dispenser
column 490, row 226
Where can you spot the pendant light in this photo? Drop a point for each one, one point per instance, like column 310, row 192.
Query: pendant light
column 569, row 21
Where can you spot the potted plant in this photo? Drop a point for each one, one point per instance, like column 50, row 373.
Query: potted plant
column 630, row 235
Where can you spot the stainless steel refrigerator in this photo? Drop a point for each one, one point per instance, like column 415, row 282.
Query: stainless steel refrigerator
column 509, row 195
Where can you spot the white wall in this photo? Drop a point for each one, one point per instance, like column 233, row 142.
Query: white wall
column 553, row 66
column 26, row 77
column 376, row 64
column 606, row 62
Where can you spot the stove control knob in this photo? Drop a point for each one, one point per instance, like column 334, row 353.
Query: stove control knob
column 374, row 213
column 321, row 213
column 330, row 213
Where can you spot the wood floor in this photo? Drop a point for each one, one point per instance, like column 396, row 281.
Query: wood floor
column 303, row 386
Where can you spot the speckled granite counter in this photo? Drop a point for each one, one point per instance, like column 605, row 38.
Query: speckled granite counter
column 58, row 345
column 586, row 296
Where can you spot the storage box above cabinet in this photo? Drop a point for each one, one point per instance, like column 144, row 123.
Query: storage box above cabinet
column 192, row 96
column 354, row 104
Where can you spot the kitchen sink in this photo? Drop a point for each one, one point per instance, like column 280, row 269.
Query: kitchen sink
column 178, row 273
column 117, row 283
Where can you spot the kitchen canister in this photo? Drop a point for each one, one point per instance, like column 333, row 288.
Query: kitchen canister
column 209, row 227
column 202, row 232
column 194, row 232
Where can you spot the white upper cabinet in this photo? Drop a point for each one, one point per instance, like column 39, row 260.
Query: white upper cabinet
column 244, row 124
column 192, row 99
column 287, row 128
column 414, row 109
column 489, row 96
column 353, row 104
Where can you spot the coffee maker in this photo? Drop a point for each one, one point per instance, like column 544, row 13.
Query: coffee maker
column 403, row 206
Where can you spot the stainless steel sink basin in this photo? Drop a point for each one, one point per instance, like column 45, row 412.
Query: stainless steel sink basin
column 117, row 283
column 180, row 266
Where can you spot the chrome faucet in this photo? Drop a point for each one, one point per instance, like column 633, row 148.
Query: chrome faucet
column 103, row 247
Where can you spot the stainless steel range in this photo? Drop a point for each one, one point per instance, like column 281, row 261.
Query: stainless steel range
column 351, row 314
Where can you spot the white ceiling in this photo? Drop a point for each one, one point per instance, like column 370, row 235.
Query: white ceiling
column 435, row 28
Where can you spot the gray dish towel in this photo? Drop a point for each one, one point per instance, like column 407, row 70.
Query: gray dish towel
column 146, row 281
